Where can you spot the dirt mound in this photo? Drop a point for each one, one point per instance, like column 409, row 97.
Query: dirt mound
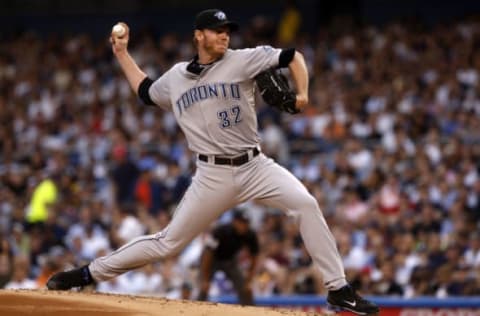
column 51, row 303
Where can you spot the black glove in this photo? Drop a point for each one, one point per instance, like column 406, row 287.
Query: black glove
column 274, row 89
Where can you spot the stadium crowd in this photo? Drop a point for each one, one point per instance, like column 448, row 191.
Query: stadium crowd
column 390, row 147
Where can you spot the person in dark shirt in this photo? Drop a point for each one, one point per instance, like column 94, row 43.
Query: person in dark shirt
column 124, row 174
column 221, row 248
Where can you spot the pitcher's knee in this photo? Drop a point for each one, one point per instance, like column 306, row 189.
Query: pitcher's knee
column 170, row 248
column 309, row 204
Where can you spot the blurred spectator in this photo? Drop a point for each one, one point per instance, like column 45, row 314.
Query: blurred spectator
column 289, row 23
column 44, row 195
column 6, row 262
column 472, row 253
column 149, row 192
column 124, row 175
column 353, row 208
column 86, row 238
column 129, row 226
column 274, row 142
column 386, row 285
column 20, row 278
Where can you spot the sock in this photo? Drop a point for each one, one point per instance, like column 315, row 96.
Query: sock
column 86, row 276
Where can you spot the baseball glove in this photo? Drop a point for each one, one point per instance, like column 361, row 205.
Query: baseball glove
column 274, row 89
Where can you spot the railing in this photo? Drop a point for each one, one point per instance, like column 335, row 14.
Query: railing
column 389, row 306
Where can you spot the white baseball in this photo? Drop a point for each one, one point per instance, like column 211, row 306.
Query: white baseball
column 118, row 30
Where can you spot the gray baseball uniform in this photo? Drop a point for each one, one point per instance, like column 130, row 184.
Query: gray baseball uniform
column 216, row 111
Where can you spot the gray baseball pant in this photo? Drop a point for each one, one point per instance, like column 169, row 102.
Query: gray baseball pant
column 217, row 188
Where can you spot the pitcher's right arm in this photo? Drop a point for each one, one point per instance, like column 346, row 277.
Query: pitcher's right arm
column 150, row 92
column 130, row 68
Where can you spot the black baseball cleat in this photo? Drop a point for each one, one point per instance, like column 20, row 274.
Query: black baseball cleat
column 63, row 281
column 347, row 299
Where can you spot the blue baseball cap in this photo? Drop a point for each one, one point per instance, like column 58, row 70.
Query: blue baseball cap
column 213, row 19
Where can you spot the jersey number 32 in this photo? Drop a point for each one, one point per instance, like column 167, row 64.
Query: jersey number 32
column 229, row 117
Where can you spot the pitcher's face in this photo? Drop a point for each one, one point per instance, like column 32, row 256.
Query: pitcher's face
column 213, row 42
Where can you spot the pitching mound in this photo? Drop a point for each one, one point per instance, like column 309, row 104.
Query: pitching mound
column 48, row 303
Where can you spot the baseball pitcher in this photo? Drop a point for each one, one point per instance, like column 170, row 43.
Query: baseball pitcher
column 212, row 98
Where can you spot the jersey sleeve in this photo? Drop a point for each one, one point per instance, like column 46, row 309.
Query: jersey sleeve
column 159, row 91
column 258, row 59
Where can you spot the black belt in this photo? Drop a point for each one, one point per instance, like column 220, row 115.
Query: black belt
column 236, row 161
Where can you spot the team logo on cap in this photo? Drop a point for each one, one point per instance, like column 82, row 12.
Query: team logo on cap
column 220, row 15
